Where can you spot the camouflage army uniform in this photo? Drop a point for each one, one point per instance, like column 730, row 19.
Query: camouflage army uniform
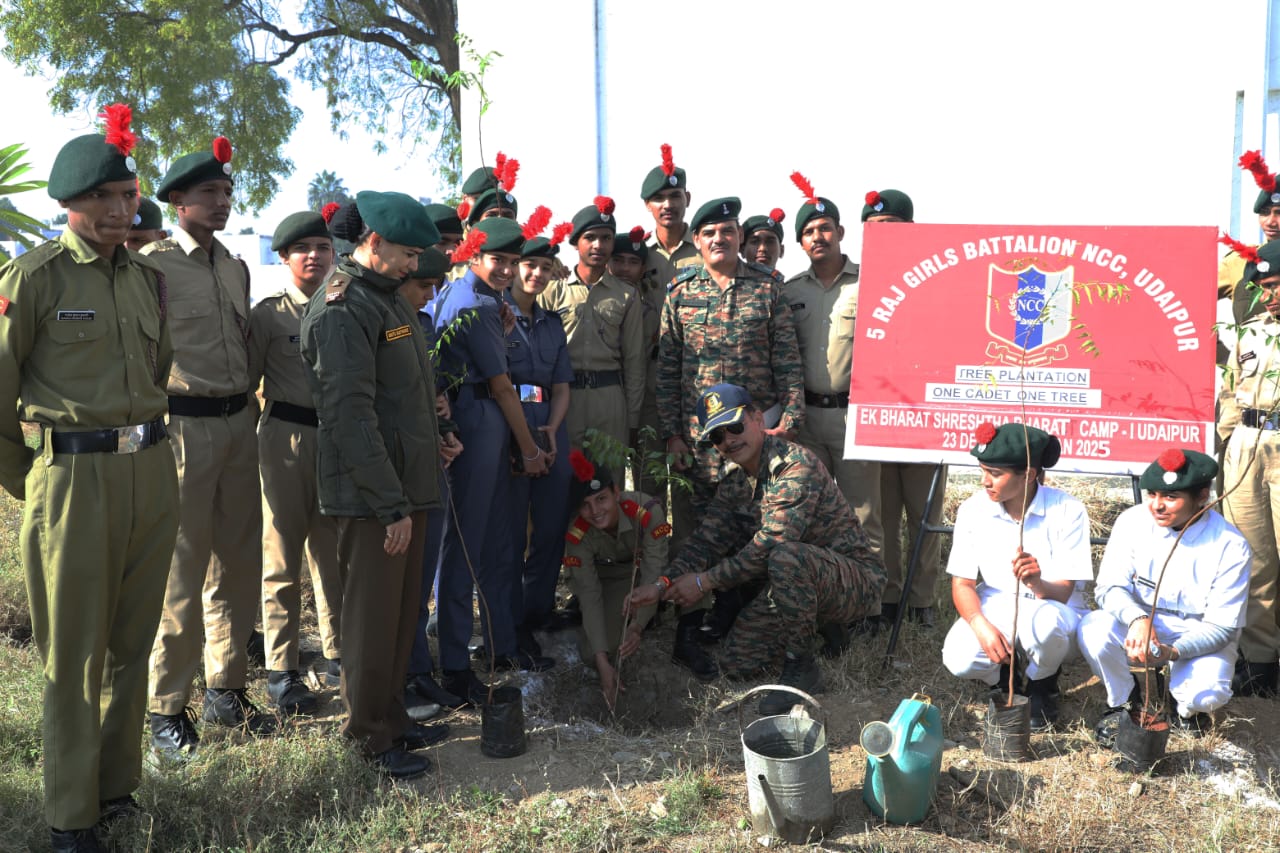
column 600, row 567
column 793, row 527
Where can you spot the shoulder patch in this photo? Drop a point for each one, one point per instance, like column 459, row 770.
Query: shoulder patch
column 685, row 274
column 335, row 290
column 572, row 561
column 630, row 507
column 577, row 530
column 762, row 271
column 398, row 332
column 39, row 256
column 661, row 530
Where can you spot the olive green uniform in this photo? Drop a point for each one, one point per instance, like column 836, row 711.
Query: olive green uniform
column 601, row 569
column 84, row 346
column 824, row 320
column 216, row 574
column 291, row 517
column 604, row 323
column 662, row 266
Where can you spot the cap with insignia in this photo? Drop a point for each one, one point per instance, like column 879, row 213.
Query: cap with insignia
column 541, row 247
column 588, row 478
column 633, row 244
column 1260, row 261
column 397, row 217
column 721, row 405
column 489, row 199
column 95, row 158
column 666, row 176
column 814, row 205
column 445, row 218
column 1006, row 446
column 299, row 226
column 432, row 263
column 500, row 235
column 758, row 223
column 888, row 202
column 191, row 169
column 717, row 210
column 1269, row 193
column 149, row 217
column 479, row 181
column 1179, row 471
column 598, row 214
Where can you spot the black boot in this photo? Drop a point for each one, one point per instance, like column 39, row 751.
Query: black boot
column 888, row 612
column 333, row 672
column 232, row 708
column 1044, row 702
column 724, row 611
column 289, row 694
column 423, row 685
column 799, row 670
column 173, row 736
column 464, row 684
column 835, row 639
column 75, row 840
column 689, row 653
column 1255, row 679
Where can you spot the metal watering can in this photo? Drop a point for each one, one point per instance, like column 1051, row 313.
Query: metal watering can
column 904, row 757
column 788, row 772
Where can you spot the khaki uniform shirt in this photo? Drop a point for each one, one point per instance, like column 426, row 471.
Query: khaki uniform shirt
column 208, row 316
column 662, row 265
column 83, row 345
column 824, row 324
column 275, row 348
column 1252, row 374
column 604, row 323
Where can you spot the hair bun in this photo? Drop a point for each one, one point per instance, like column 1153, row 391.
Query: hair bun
column 347, row 224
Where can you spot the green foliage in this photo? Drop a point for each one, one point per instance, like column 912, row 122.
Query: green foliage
column 325, row 188
column 605, row 450
column 444, row 338
column 193, row 70
column 686, row 799
column 15, row 225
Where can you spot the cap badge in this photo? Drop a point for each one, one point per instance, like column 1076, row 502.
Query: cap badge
column 714, row 405
column 724, row 209
column 1264, row 266
column 1170, row 477
column 1275, row 198
column 820, row 207
column 130, row 163
column 879, row 206
column 226, row 168
column 137, row 219
column 673, row 180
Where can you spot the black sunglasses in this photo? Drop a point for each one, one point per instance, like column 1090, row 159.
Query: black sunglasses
column 716, row 436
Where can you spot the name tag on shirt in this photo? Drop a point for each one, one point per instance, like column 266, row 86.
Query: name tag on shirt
column 77, row 314
column 399, row 332
column 295, row 339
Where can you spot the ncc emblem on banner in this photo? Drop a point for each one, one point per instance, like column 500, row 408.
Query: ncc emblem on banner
column 1029, row 315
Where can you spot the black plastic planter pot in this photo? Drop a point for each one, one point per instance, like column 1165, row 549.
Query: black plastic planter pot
column 1008, row 729
column 1142, row 740
column 502, row 724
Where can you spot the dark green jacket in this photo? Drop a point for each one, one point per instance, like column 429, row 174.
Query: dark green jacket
column 375, row 394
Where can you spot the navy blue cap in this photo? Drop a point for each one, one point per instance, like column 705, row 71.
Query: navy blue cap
column 721, row 405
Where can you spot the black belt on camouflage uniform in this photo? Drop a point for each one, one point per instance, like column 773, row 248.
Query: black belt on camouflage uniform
column 1259, row 419
column 826, row 401
column 596, row 378
column 300, row 415
column 207, row 407
column 128, row 439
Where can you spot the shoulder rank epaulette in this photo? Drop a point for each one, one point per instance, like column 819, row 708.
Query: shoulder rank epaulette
column 577, row 530
column 39, row 256
column 685, row 274
column 335, row 290
column 639, row 513
column 168, row 244
column 761, row 269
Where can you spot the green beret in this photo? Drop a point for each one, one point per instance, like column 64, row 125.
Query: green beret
column 758, row 223
column 501, row 235
column 539, row 247
column 191, row 169
column 86, row 162
column 397, row 217
column 632, row 243
column 432, row 263
column 597, row 215
column 1006, row 447
column 445, row 218
column 1179, row 471
column 657, row 181
column 889, row 201
column 1268, row 262
column 296, row 226
column 1266, row 199
column 492, row 198
column 824, row 207
column 716, row 210
column 588, row 478
column 149, row 217
column 478, row 181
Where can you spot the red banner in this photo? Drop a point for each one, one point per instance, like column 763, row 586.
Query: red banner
column 1102, row 336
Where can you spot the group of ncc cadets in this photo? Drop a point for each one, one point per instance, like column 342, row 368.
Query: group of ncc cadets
column 429, row 381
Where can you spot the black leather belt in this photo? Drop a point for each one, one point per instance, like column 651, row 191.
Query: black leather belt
column 128, row 439
column 596, row 378
column 1260, row 419
column 300, row 415
column 207, row 407
column 479, row 390
column 826, row 401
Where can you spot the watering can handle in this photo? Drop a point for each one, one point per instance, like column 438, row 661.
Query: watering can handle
column 763, row 687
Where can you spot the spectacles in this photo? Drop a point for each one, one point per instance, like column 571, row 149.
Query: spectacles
column 716, row 436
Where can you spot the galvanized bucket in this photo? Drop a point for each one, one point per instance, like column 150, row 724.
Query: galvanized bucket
column 788, row 772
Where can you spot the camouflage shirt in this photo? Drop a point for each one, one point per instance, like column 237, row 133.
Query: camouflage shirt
column 791, row 499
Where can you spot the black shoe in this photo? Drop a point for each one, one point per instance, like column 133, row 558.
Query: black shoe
column 689, row 653
column 1107, row 728
column 232, row 708
column 1044, row 702
column 799, row 670
column 256, row 649
column 117, row 808
column 75, row 840
column 421, row 737
column 333, row 672
column 289, row 694
column 1197, row 725
column 464, row 684
column 173, row 736
column 1256, row 679
column 562, row 620
column 925, row 616
column 424, row 687
column 527, row 643
column 398, row 763
column 835, row 639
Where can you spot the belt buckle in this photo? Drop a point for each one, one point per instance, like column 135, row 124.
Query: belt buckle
column 828, row 401
column 226, row 406
column 131, row 439
column 530, row 393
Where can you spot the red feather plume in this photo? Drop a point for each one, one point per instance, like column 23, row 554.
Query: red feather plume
column 1262, row 176
column 499, row 166
column 873, row 198
column 985, row 433
column 561, row 231
column 508, row 179
column 1172, row 459
column 463, row 210
column 636, row 234
column 581, row 465
column 468, row 247
column 329, row 210
column 668, row 164
column 777, row 215
column 222, row 149
column 537, row 223
column 806, row 188
column 604, row 204
column 1249, row 253
column 117, row 118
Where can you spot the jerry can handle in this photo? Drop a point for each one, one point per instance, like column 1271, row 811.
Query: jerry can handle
column 763, row 687
column 924, row 703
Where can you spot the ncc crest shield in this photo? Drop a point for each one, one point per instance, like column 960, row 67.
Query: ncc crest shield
column 1028, row 314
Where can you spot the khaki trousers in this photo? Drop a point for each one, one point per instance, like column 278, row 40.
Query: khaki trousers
column 1254, row 508
column 859, row 481
column 603, row 409
column 905, row 487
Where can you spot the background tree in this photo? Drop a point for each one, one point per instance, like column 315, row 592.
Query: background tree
column 14, row 225
column 194, row 69
column 324, row 188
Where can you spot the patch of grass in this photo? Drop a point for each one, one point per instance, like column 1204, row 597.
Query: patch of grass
column 686, row 799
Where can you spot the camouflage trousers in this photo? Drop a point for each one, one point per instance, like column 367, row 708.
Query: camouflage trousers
column 807, row 585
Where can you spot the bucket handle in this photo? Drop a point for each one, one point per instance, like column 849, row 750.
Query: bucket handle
column 763, row 687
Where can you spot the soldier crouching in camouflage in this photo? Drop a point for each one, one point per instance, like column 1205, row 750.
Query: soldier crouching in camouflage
column 777, row 516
